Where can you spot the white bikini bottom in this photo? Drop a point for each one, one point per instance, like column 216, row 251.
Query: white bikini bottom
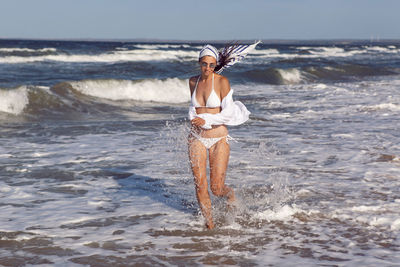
column 209, row 142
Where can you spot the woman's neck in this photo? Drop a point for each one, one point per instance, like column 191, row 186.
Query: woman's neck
column 205, row 77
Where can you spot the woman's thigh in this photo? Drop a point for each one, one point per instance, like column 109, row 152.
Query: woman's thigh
column 219, row 158
column 198, row 161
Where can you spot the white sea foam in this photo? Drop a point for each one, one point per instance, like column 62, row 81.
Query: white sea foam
column 395, row 226
column 324, row 51
column 327, row 51
column 383, row 106
column 290, row 76
column 172, row 90
column 13, row 100
column 164, row 46
column 282, row 214
column 320, row 86
column 389, row 222
column 343, row 136
column 15, row 49
column 151, row 54
column 341, row 52
column 265, row 52
column 382, row 215
column 381, row 49
column 364, row 208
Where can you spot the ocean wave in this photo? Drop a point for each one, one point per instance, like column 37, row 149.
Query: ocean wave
column 382, row 49
column 309, row 52
column 34, row 100
column 162, row 46
column 324, row 52
column 344, row 72
column 290, row 76
column 304, row 52
column 90, row 96
column 183, row 52
column 13, row 101
column 16, row 49
column 155, row 54
column 270, row 52
column 172, row 90
column 276, row 76
column 115, row 56
column 331, row 72
column 25, row 53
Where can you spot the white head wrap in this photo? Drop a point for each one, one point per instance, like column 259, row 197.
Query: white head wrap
column 209, row 50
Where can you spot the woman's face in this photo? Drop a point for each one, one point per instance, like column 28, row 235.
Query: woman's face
column 207, row 65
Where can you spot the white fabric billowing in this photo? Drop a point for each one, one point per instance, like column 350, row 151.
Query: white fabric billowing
column 232, row 113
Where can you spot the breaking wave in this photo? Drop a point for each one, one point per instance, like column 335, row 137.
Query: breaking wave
column 275, row 76
column 13, row 101
column 171, row 90
column 328, row 73
column 16, row 49
column 114, row 56
column 90, row 96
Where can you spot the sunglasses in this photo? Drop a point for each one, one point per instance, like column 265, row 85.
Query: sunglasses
column 211, row 65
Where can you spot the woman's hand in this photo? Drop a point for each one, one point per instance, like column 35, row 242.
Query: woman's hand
column 198, row 122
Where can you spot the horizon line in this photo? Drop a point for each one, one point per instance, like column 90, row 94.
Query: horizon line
column 155, row 40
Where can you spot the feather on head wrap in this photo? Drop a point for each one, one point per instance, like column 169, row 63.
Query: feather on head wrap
column 227, row 56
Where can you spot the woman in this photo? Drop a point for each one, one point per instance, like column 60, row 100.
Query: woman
column 212, row 109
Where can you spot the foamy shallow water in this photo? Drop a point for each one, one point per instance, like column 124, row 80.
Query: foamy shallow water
column 94, row 169
column 316, row 171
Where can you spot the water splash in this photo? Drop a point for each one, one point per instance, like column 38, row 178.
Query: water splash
column 270, row 195
column 175, row 135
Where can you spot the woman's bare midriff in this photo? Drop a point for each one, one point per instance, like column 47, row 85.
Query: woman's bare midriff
column 216, row 131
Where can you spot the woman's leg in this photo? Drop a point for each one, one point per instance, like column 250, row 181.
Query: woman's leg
column 219, row 157
column 198, row 161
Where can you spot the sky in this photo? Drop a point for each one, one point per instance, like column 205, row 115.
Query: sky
column 200, row 20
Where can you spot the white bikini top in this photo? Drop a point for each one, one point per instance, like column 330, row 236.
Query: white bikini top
column 213, row 100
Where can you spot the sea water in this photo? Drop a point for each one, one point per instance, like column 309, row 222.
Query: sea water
column 94, row 168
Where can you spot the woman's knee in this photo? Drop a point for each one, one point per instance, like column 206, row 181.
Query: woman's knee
column 197, row 160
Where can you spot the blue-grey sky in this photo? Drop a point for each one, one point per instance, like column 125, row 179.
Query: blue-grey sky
column 200, row 20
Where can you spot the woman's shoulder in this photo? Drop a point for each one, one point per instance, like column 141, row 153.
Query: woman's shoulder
column 193, row 80
column 223, row 84
column 222, row 80
column 220, row 77
column 192, row 83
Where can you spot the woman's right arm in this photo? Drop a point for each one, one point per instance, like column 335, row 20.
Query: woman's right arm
column 192, row 83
